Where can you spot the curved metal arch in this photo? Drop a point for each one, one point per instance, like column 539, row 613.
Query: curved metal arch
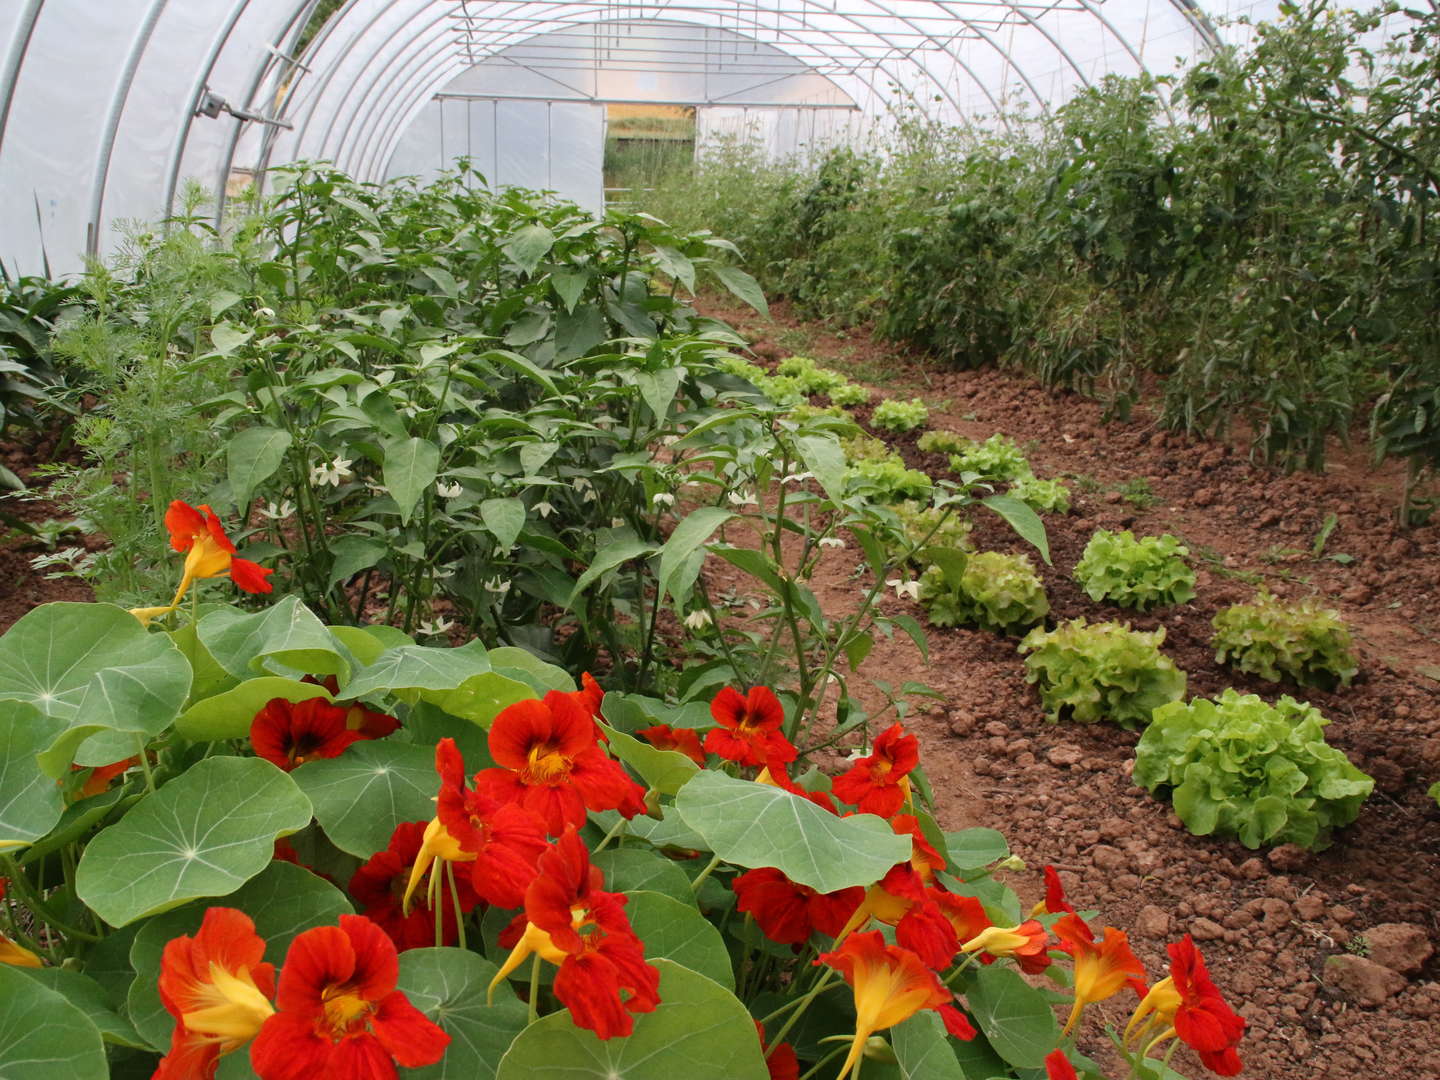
column 377, row 141
column 15, row 60
column 202, row 79
column 294, row 25
column 567, row 22
column 113, row 116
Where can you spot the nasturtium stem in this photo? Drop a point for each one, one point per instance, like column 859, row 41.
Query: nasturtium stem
column 605, row 840
column 826, row 1060
column 455, row 899
column 799, row 1005
column 534, row 1013
column 700, row 877
column 144, row 756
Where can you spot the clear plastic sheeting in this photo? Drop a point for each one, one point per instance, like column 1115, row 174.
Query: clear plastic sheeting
column 554, row 146
column 108, row 110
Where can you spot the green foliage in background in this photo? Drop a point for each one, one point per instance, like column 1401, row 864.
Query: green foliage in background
column 1255, row 230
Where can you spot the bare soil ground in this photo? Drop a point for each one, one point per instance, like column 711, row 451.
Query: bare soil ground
column 1268, row 921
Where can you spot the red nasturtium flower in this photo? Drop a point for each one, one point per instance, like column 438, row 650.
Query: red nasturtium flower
column 880, row 783
column 288, row 734
column 570, row 920
column 684, row 740
column 1186, row 1003
column 780, row 1059
column 1054, row 902
column 379, row 887
column 749, row 731
column 370, row 724
column 551, row 764
column 500, row 841
column 1100, row 969
column 208, row 554
column 218, row 989
column 788, row 913
column 891, row 984
column 1058, row 1067
column 776, row 774
column 339, row 1013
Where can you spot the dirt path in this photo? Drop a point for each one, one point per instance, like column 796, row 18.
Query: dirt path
column 1267, row 921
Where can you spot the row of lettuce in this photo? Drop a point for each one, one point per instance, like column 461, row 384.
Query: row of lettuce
column 1235, row 766
column 1253, row 229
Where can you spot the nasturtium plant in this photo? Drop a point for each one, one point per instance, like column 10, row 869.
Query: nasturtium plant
column 991, row 590
column 1239, row 766
column 1303, row 641
column 1101, row 671
column 997, row 458
column 1141, row 574
column 900, row 416
column 1046, row 496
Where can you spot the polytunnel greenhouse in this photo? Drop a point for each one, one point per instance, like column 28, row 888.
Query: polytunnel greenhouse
column 767, row 540
column 106, row 109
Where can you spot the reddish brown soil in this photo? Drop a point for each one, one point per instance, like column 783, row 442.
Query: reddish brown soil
column 1266, row 921
column 22, row 587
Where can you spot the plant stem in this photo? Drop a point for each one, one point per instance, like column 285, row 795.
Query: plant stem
column 455, row 899
column 145, row 763
column 700, row 878
column 534, row 1003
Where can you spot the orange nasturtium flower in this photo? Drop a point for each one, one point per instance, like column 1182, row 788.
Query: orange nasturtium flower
column 18, row 955
column 218, row 989
column 551, row 764
column 339, row 1012
column 880, row 783
column 1027, row 944
column 1100, row 970
column 891, row 985
column 370, row 724
column 749, row 731
column 570, row 920
column 197, row 533
column 1186, row 1003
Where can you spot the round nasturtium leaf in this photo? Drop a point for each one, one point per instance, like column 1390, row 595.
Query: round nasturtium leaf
column 1014, row 1016
column 676, row 931
column 754, row 825
column 43, row 1036
column 205, row 833
column 287, row 634
column 630, row 869
column 699, row 1030
column 449, row 986
column 30, row 802
column 360, row 796
column 282, row 901
column 90, row 998
column 96, row 668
